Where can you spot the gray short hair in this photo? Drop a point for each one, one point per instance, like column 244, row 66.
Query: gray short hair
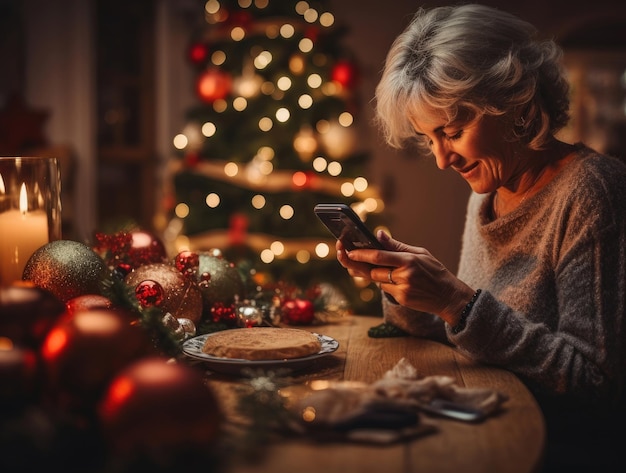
column 475, row 59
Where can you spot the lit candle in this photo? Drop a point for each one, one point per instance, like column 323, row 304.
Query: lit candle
column 21, row 234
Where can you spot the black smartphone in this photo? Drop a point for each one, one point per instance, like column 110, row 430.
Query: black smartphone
column 346, row 226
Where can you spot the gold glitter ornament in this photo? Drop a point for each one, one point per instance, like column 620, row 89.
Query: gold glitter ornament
column 66, row 268
column 182, row 297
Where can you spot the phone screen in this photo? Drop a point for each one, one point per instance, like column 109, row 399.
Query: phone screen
column 346, row 226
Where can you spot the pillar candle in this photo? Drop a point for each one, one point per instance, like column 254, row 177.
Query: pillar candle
column 21, row 234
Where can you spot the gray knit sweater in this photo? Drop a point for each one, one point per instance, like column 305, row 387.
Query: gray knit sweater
column 553, row 275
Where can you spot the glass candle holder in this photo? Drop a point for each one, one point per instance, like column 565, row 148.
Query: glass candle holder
column 30, row 211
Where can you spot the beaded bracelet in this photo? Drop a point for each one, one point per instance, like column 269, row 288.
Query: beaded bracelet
column 465, row 313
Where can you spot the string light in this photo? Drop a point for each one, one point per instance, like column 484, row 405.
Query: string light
column 327, row 19
column 212, row 200
column 272, row 31
column 262, row 60
column 267, row 256
column 334, row 168
column 237, row 33
column 212, row 7
column 314, row 81
column 220, row 105
column 302, row 7
column 305, row 45
column 277, row 248
column 322, row 250
column 267, row 88
column 287, row 30
column 240, row 104
column 266, row 124
column 218, row 57
column 345, row 119
column 330, row 88
column 322, row 126
column 310, row 16
column 371, row 204
column 283, row 83
column 266, row 152
column 180, row 141
column 258, row 201
column 282, row 114
column 181, row 210
column 303, row 256
column 286, row 212
column 305, row 101
column 360, row 184
column 347, row 189
column 209, row 129
column 296, row 64
column 320, row 164
column 231, row 169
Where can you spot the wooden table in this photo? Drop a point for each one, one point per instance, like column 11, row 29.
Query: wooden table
column 509, row 442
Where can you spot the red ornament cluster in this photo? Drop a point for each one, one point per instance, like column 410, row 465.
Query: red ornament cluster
column 129, row 250
column 213, row 84
column 297, row 312
column 345, row 73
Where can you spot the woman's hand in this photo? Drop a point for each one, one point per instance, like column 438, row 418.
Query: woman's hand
column 411, row 275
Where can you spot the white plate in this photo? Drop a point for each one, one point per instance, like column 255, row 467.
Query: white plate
column 193, row 349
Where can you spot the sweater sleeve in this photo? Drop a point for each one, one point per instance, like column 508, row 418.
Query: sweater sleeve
column 581, row 352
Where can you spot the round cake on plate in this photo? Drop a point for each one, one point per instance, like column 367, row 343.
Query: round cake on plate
column 262, row 343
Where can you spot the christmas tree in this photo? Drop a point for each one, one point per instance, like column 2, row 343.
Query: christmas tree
column 272, row 135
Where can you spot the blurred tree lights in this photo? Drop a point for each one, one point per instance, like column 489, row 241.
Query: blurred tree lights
column 273, row 134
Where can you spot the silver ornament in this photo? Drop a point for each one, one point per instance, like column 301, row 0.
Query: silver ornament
column 188, row 326
column 174, row 326
column 249, row 316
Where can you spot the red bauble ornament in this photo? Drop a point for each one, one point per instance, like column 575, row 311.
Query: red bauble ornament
column 187, row 262
column 27, row 313
column 145, row 248
column 149, row 293
column 297, row 312
column 213, row 84
column 198, row 52
column 345, row 73
column 237, row 229
column 155, row 408
column 83, row 352
column 181, row 296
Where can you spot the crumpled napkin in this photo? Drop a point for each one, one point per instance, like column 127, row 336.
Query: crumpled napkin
column 387, row 410
column 403, row 384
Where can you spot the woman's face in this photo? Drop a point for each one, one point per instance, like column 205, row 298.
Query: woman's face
column 476, row 149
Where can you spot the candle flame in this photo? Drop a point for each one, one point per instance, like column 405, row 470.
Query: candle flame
column 23, row 199
column 2, row 188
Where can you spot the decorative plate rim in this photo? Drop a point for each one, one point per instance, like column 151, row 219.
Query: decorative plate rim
column 193, row 349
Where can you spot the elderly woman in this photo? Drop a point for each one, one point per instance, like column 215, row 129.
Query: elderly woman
column 541, row 286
